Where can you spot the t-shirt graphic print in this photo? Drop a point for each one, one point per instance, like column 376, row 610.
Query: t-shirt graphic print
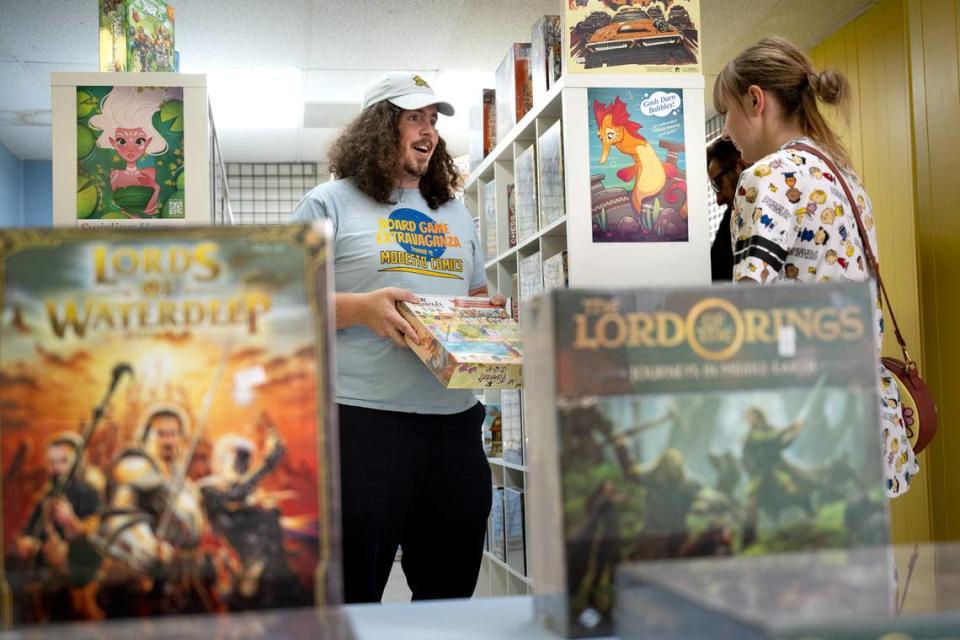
column 405, row 245
column 423, row 243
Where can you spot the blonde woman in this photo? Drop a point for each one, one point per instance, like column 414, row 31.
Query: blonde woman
column 791, row 218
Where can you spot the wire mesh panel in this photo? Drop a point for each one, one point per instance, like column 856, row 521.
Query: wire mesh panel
column 266, row 193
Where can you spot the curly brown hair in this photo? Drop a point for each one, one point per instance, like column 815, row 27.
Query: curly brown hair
column 368, row 151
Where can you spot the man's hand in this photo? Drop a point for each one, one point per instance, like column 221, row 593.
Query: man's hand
column 63, row 514
column 481, row 292
column 377, row 310
column 27, row 547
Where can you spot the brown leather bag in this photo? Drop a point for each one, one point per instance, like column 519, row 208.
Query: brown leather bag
column 919, row 407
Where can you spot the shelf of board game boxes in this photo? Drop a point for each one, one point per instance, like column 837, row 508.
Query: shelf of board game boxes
column 505, row 567
column 519, row 197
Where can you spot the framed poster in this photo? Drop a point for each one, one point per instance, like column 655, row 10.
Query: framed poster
column 638, row 175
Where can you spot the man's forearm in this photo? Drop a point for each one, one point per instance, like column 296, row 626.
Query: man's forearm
column 347, row 307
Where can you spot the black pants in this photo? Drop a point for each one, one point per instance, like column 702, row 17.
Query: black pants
column 416, row 481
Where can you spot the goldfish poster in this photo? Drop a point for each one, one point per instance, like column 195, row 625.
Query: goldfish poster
column 130, row 166
column 166, row 427
column 638, row 171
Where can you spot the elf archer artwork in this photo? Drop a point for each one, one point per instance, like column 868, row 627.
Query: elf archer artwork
column 637, row 166
column 130, row 153
column 677, row 427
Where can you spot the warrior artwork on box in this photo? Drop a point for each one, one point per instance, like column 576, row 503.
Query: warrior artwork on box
column 165, row 424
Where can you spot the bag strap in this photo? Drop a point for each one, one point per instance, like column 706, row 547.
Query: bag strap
column 865, row 241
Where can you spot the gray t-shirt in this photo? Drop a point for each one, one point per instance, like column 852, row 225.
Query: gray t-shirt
column 404, row 245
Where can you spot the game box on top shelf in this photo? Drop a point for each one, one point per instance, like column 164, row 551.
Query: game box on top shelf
column 550, row 175
column 483, row 128
column 546, row 56
column 136, row 35
column 514, row 91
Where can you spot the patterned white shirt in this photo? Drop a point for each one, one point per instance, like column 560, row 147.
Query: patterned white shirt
column 791, row 221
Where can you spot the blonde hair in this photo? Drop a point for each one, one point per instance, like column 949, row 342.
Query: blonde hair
column 778, row 67
column 130, row 108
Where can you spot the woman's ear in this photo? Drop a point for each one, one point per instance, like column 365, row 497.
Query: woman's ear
column 755, row 100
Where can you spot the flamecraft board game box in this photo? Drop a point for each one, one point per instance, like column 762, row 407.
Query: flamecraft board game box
column 466, row 342
column 696, row 422
column 168, row 442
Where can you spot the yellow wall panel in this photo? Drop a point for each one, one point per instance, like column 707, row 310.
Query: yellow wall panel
column 872, row 53
column 934, row 55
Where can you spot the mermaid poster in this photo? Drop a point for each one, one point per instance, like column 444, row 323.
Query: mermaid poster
column 130, row 153
column 638, row 178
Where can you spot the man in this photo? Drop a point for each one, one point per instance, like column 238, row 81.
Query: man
column 724, row 167
column 152, row 528
column 249, row 522
column 412, row 465
column 54, row 547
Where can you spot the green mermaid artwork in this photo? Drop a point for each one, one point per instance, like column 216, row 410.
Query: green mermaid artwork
column 126, row 125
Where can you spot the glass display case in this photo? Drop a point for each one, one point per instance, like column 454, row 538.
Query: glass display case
column 873, row 592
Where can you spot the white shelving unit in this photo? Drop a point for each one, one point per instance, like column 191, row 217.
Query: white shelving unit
column 602, row 265
column 497, row 578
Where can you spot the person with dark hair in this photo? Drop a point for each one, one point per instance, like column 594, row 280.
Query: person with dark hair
column 724, row 166
column 54, row 547
column 792, row 220
column 151, row 529
column 413, row 471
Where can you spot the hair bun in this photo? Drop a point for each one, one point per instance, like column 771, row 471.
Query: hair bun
column 829, row 85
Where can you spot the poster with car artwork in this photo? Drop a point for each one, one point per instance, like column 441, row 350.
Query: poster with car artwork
column 638, row 183
column 632, row 36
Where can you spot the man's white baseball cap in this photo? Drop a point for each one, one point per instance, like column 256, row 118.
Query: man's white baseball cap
column 407, row 91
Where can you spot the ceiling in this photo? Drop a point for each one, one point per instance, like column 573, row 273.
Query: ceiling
column 339, row 47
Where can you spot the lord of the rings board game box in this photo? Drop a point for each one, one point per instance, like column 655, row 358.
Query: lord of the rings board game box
column 723, row 421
